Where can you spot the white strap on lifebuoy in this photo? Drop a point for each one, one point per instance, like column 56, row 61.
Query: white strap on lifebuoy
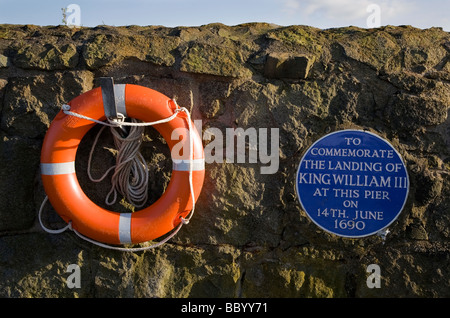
column 58, row 168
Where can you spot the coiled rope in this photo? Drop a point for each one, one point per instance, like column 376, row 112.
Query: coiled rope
column 130, row 176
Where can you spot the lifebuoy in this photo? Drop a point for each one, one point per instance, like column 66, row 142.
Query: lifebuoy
column 73, row 205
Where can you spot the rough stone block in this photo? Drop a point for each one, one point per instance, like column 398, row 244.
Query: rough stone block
column 287, row 66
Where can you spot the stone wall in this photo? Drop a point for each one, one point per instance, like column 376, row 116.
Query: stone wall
column 249, row 236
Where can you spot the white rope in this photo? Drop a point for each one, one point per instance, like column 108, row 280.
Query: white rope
column 68, row 226
column 130, row 249
column 191, row 163
column 120, row 122
column 129, row 162
column 117, row 248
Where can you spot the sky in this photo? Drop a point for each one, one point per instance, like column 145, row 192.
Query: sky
column 322, row 14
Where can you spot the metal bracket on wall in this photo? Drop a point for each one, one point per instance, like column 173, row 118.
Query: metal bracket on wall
column 109, row 100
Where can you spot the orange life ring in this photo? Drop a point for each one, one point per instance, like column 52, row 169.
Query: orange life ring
column 72, row 204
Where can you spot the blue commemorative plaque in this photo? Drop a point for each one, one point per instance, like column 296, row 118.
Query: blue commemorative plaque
column 352, row 183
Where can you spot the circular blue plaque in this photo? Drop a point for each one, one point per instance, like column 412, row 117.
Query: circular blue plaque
column 352, row 183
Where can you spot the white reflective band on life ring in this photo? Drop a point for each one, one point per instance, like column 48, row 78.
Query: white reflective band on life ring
column 125, row 228
column 183, row 165
column 51, row 169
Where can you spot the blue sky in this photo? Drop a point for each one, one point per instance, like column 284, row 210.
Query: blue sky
column 317, row 13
